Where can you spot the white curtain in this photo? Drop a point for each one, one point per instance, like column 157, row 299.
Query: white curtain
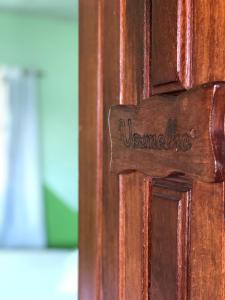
column 21, row 200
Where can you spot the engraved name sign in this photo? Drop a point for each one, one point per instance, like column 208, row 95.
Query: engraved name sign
column 168, row 141
column 171, row 134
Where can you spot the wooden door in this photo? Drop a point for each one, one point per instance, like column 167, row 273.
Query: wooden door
column 152, row 158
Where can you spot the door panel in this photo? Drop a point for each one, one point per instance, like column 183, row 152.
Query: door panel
column 134, row 220
column 169, row 23
column 187, row 46
column 208, row 37
column 170, row 213
column 206, row 260
column 143, row 237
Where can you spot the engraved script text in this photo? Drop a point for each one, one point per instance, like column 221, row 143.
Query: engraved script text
column 170, row 140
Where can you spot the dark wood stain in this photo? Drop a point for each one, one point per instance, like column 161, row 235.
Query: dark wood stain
column 168, row 141
column 144, row 234
column 193, row 144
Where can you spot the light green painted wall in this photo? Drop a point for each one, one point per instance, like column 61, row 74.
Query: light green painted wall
column 50, row 45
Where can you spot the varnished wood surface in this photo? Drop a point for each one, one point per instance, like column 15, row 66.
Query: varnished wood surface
column 187, row 44
column 111, row 92
column 208, row 39
column 120, row 222
column 206, row 260
column 141, row 136
column 171, row 44
column 170, row 221
column 134, row 187
column 164, row 55
column 114, row 46
column 90, row 151
column 134, row 246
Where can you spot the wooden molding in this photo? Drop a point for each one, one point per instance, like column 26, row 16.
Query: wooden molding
column 168, row 134
column 187, row 47
column 170, row 229
column 170, row 67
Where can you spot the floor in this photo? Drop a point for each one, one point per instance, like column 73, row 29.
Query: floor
column 38, row 275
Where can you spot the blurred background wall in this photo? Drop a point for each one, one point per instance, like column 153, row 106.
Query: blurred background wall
column 48, row 43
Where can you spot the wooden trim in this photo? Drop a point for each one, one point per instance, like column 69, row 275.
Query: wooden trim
column 122, row 242
column 134, row 187
column 111, row 94
column 90, row 149
column 146, row 221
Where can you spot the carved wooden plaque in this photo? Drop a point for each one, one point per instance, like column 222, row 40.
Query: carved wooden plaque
column 171, row 134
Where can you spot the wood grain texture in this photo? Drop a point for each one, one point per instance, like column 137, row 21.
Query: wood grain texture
column 171, row 45
column 206, row 278
column 164, row 16
column 134, row 189
column 111, row 93
column 135, row 219
column 169, row 239
column 90, row 157
column 126, row 250
column 187, row 44
column 208, row 39
column 166, row 129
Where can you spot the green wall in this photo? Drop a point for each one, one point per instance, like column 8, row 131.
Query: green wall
column 49, row 45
